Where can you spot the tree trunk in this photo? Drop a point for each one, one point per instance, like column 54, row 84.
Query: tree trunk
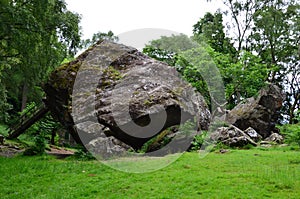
column 53, row 134
column 292, row 110
column 24, row 96
column 238, row 97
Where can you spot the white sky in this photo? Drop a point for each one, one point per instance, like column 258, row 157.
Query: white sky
column 121, row 16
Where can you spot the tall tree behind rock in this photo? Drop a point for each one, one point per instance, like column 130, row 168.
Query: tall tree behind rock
column 276, row 39
column 35, row 36
column 241, row 15
column 243, row 73
column 270, row 29
column 210, row 28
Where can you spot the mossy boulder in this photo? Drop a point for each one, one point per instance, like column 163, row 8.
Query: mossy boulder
column 114, row 91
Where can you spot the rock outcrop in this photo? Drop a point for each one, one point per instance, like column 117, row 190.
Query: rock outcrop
column 260, row 113
column 119, row 98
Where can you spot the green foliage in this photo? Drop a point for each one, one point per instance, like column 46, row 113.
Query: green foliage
column 247, row 77
column 35, row 36
column 211, row 30
column 167, row 49
column 3, row 130
column 4, row 105
column 297, row 116
column 83, row 155
column 161, row 55
column 45, row 125
column 39, row 133
column 39, row 146
column 26, row 111
column 203, row 73
column 268, row 29
column 208, row 68
column 276, row 39
column 199, row 141
column 291, row 133
column 173, row 43
column 97, row 37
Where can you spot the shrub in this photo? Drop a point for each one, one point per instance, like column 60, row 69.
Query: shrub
column 39, row 146
column 83, row 155
column 291, row 133
column 198, row 141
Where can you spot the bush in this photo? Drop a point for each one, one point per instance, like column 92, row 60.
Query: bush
column 83, row 155
column 291, row 133
column 198, row 141
column 39, row 146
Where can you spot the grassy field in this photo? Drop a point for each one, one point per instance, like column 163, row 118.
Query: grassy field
column 255, row 173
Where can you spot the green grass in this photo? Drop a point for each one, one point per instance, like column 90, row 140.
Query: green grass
column 254, row 173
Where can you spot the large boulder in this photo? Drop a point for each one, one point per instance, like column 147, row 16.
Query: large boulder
column 260, row 113
column 113, row 92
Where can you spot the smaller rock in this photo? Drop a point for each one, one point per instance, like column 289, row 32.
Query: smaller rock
column 275, row 138
column 106, row 147
column 232, row 136
column 265, row 144
column 253, row 134
column 99, row 142
column 284, row 145
column 224, row 151
column 14, row 147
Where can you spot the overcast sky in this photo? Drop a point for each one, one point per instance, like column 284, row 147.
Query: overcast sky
column 121, row 16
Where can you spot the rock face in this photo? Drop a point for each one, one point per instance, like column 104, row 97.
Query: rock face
column 121, row 98
column 261, row 113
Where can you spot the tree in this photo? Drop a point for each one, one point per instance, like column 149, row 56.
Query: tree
column 241, row 13
column 247, row 77
column 35, row 36
column 270, row 29
column 167, row 49
column 276, row 39
column 99, row 36
column 210, row 29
